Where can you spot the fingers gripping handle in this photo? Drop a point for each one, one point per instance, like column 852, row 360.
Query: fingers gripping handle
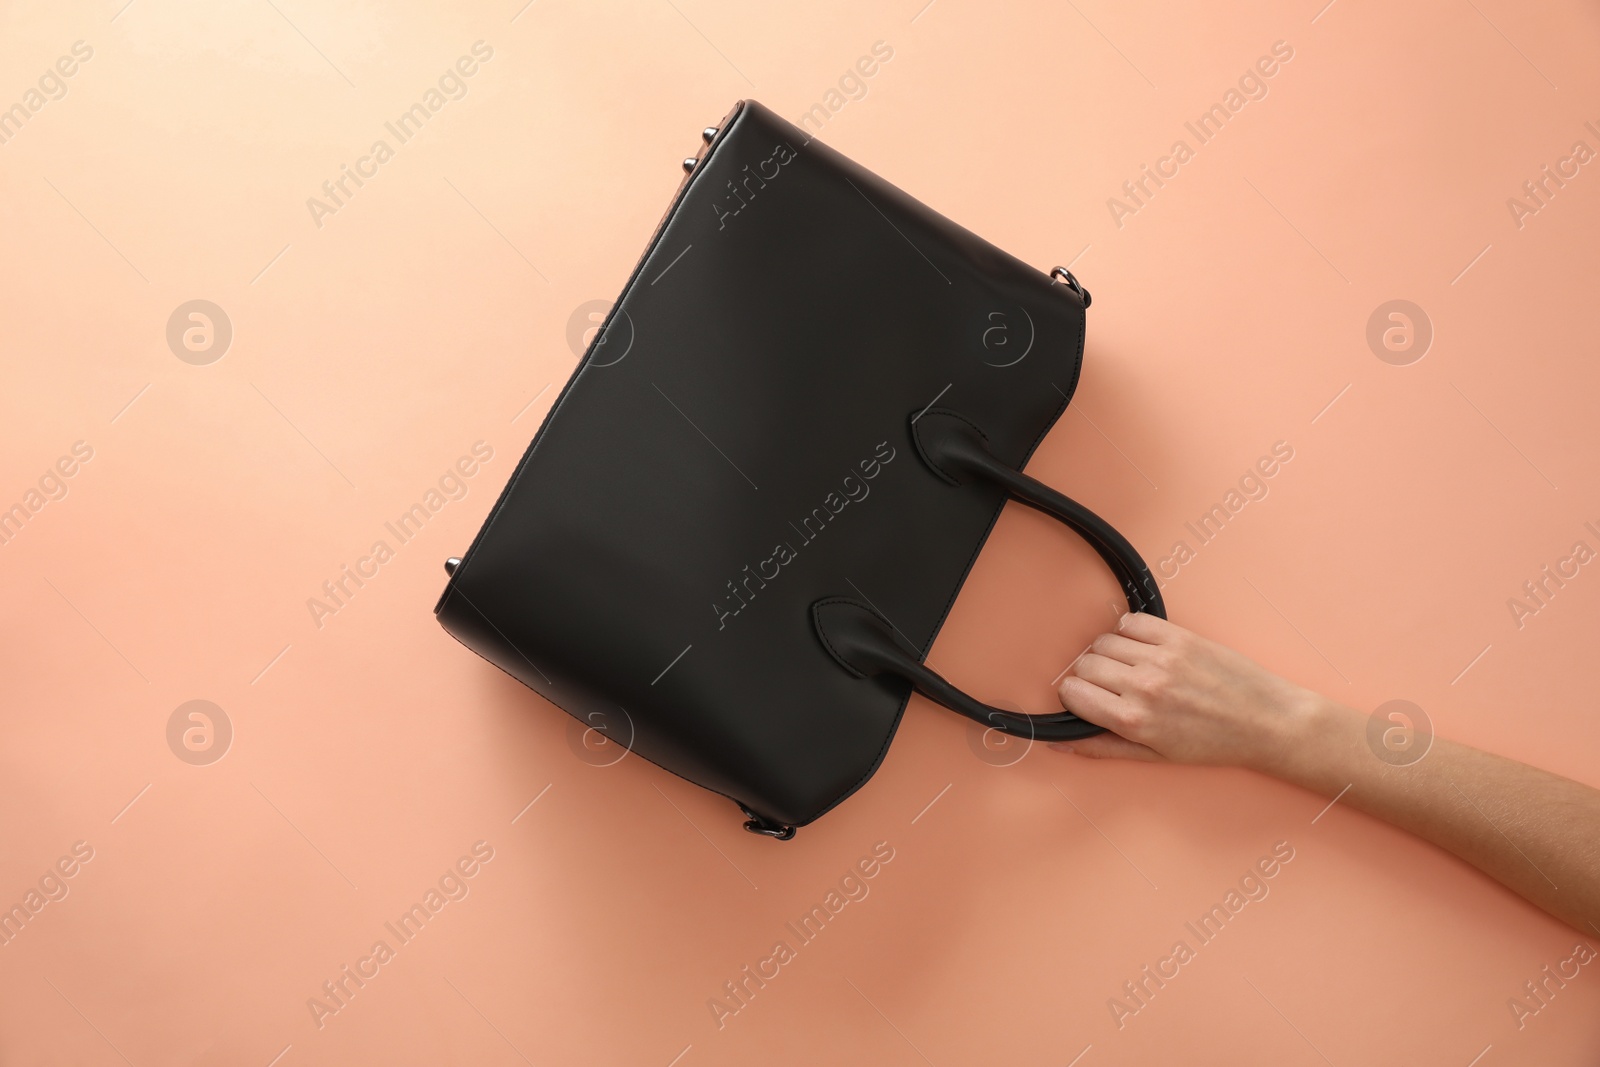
column 866, row 644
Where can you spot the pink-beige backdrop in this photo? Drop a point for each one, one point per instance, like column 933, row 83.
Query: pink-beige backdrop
column 182, row 478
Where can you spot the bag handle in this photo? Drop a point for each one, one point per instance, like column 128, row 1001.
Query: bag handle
column 865, row 643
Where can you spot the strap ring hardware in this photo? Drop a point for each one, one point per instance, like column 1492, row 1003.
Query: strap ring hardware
column 1062, row 274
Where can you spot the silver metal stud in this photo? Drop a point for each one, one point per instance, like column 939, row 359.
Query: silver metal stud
column 708, row 134
column 688, row 164
column 451, row 564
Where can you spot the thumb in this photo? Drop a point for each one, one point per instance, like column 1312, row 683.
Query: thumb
column 1108, row 746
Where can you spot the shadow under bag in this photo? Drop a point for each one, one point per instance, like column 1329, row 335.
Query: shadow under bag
column 745, row 518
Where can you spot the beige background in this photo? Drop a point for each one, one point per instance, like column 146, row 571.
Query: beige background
column 432, row 311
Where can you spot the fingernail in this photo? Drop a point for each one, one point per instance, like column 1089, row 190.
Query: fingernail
column 1062, row 747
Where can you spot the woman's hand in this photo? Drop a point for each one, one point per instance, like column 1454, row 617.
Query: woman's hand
column 1168, row 693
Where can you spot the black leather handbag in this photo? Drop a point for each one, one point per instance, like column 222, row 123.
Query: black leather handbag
column 741, row 525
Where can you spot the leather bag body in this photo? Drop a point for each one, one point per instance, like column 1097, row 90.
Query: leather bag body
column 744, row 519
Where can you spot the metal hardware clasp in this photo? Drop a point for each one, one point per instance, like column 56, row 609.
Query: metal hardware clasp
column 1062, row 274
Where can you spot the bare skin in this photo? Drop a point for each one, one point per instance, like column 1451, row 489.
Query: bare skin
column 1168, row 694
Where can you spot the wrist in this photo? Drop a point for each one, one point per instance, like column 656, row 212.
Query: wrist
column 1310, row 742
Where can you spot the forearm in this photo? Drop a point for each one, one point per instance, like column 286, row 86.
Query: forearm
column 1168, row 694
column 1535, row 832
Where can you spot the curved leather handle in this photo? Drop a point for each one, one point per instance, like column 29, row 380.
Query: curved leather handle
column 958, row 451
column 865, row 643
